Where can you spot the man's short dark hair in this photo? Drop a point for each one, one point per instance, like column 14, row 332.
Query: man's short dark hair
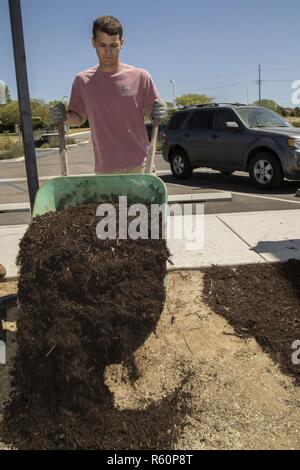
column 109, row 25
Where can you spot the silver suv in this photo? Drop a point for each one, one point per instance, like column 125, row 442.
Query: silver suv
column 231, row 137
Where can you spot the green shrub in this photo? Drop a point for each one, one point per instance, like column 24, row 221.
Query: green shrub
column 14, row 151
column 5, row 142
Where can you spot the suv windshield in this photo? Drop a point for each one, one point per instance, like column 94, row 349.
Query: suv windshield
column 261, row 117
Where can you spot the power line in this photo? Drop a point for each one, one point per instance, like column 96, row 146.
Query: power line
column 291, row 80
column 259, row 82
column 282, row 68
column 227, row 86
column 218, row 86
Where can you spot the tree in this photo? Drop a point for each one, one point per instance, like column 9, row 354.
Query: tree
column 282, row 111
column 7, row 95
column 297, row 111
column 53, row 103
column 270, row 104
column 9, row 116
column 170, row 110
column 191, row 99
column 40, row 109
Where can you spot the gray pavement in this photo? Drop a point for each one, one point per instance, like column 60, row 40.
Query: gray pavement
column 220, row 239
column 245, row 197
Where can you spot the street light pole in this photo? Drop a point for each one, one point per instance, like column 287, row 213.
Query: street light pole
column 173, row 84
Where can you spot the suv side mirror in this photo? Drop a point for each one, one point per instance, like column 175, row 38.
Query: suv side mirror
column 232, row 125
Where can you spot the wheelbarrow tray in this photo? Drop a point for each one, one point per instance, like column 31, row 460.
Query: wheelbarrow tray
column 60, row 193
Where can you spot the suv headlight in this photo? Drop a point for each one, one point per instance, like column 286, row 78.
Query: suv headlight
column 295, row 143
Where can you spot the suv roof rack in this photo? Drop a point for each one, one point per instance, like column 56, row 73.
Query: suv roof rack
column 203, row 105
column 192, row 106
column 235, row 104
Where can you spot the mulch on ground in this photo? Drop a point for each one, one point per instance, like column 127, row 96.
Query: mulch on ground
column 196, row 383
column 84, row 303
column 262, row 301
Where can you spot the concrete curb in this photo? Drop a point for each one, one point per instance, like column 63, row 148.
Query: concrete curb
column 181, row 198
column 12, row 207
column 200, row 197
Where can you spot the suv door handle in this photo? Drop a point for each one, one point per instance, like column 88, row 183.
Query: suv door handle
column 187, row 134
column 214, row 136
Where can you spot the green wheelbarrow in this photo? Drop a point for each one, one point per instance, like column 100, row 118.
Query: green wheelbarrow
column 60, row 193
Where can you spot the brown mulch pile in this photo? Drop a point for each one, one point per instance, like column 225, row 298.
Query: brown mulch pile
column 84, row 303
column 262, row 301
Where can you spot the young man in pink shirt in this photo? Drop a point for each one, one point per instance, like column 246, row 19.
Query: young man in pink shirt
column 113, row 97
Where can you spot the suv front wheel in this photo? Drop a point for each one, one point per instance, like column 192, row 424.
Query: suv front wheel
column 180, row 164
column 265, row 171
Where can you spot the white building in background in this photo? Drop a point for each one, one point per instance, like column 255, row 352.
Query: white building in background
column 2, row 92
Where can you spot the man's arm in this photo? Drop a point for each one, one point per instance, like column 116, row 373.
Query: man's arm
column 58, row 113
column 75, row 119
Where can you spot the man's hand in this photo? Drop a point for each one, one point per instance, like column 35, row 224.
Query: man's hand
column 58, row 113
column 158, row 111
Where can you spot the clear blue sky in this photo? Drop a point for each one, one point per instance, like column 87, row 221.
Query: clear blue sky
column 205, row 47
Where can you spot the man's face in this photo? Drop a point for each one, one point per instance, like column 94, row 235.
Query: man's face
column 107, row 49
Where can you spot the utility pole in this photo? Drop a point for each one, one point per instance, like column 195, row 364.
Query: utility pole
column 24, row 99
column 259, row 82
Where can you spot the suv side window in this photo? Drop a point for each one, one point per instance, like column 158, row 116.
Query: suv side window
column 220, row 117
column 200, row 120
column 177, row 119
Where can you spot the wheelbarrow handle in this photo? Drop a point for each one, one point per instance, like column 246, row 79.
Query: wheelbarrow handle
column 152, row 148
column 63, row 157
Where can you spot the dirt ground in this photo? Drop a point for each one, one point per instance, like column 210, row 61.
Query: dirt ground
column 7, row 287
column 261, row 303
column 198, row 384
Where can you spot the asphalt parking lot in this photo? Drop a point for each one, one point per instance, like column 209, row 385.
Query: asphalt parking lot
column 245, row 197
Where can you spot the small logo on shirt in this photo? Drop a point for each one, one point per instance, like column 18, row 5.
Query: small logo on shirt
column 126, row 90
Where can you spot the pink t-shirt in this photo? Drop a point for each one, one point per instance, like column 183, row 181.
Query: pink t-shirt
column 114, row 103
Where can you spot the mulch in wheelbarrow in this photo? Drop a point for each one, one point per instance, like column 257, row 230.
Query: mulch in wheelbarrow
column 262, row 301
column 84, row 303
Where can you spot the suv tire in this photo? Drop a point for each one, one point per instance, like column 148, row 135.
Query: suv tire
column 265, row 171
column 180, row 164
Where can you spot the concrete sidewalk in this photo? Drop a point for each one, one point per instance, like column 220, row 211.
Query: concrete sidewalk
column 229, row 239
